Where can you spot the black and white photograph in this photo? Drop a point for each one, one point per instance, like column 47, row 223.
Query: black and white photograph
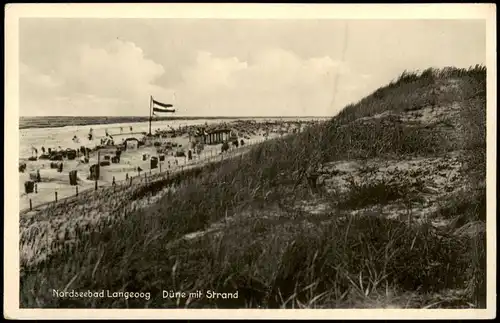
column 163, row 160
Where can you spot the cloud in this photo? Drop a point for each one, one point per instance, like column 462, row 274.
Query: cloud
column 35, row 83
column 272, row 82
column 36, row 90
column 118, row 78
column 211, row 73
column 118, row 68
column 233, row 67
column 114, row 79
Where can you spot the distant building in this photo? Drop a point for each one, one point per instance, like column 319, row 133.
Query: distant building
column 131, row 143
column 213, row 136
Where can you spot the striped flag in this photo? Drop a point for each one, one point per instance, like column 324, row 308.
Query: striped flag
column 162, row 107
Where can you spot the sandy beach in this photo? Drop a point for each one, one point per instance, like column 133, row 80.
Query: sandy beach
column 57, row 183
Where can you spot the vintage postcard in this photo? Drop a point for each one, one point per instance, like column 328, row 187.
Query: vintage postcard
column 251, row 160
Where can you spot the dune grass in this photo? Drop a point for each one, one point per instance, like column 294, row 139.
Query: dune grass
column 279, row 257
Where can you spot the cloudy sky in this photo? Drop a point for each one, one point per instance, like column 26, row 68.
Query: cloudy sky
column 208, row 67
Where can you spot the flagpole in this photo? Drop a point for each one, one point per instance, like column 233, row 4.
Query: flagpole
column 150, row 117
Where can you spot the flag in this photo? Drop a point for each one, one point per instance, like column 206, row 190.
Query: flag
column 162, row 107
column 163, row 110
